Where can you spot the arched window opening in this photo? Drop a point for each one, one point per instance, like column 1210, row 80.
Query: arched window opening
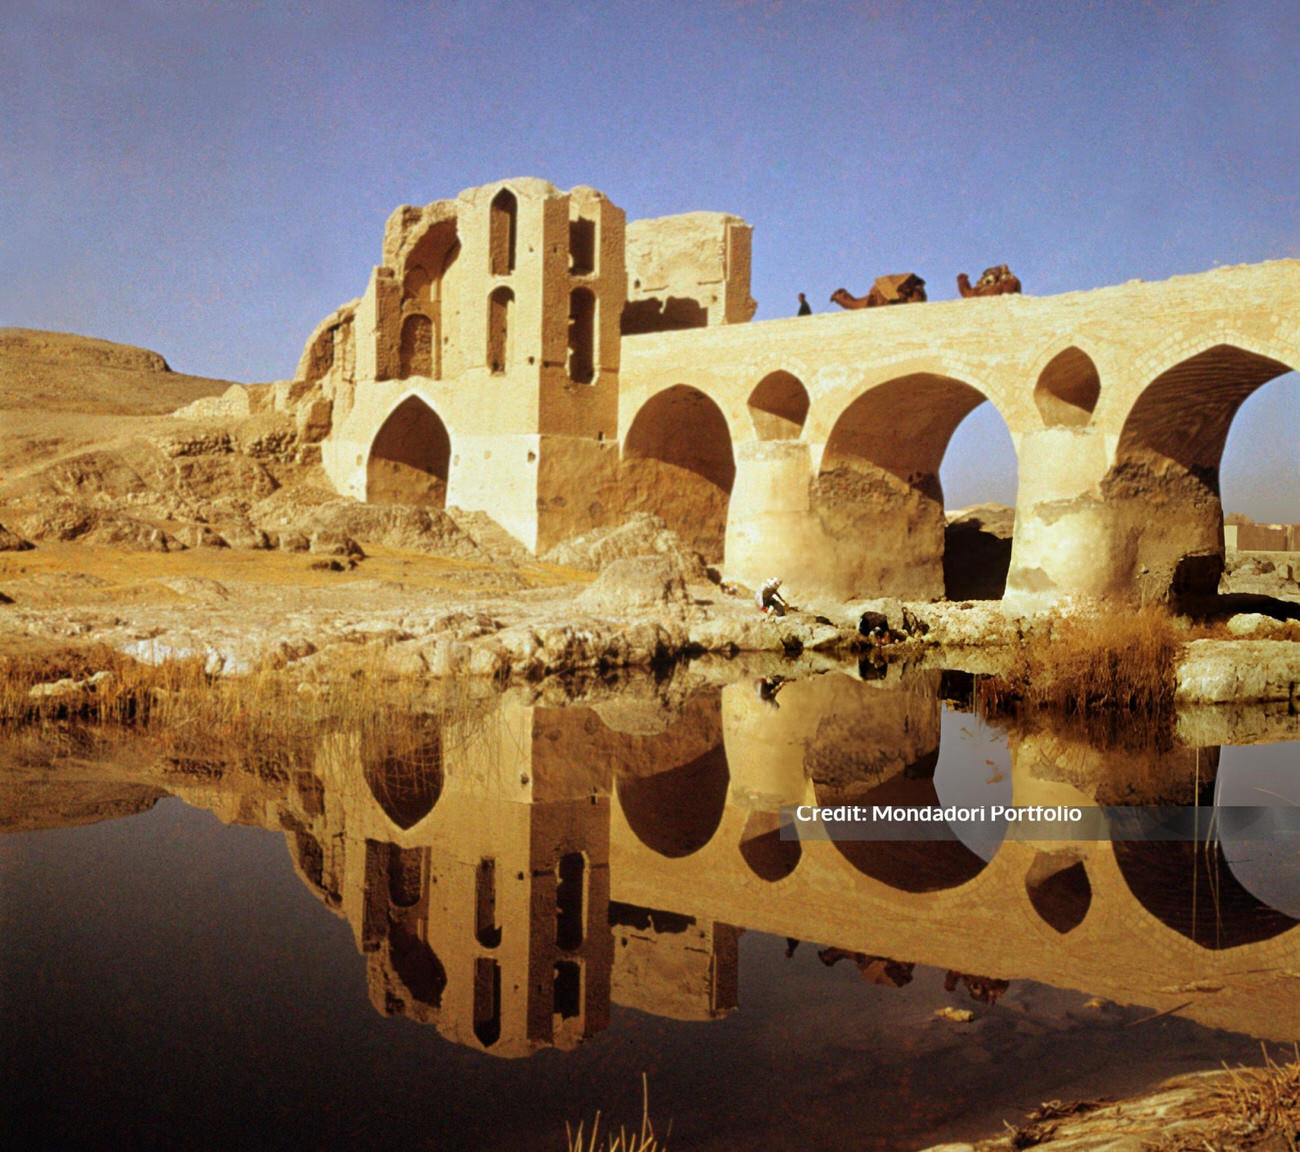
column 418, row 346
column 486, row 929
column 487, row 1001
column 410, row 460
column 582, row 246
column 499, row 305
column 1067, row 390
column 416, row 965
column 582, row 335
column 778, row 407
column 678, row 464
column 571, row 873
column 567, row 990
column 503, row 225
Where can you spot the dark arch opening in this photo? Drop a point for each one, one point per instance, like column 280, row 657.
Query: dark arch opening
column 1058, row 888
column 778, row 407
column 678, row 463
column 498, row 350
column 677, row 811
column 1188, row 886
column 908, row 866
column 503, row 226
column 582, row 336
column 879, row 486
column 410, row 460
column 405, row 778
column 1163, row 490
column 768, row 856
column 1067, row 389
column 416, row 965
column 487, row 1001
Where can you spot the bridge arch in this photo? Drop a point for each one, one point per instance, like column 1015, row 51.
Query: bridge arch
column 410, row 457
column 678, row 463
column 922, row 866
column 1162, row 488
column 778, row 406
column 877, row 495
column 676, row 812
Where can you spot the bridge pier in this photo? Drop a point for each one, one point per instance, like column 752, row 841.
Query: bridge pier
column 1064, row 545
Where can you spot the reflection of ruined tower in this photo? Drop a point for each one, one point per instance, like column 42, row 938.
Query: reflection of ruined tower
column 477, row 890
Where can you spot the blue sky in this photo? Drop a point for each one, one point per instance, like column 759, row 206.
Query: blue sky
column 209, row 179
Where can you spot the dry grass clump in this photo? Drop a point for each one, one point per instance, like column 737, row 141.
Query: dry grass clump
column 266, row 722
column 643, row 1140
column 1087, row 664
column 1256, row 1108
column 95, row 683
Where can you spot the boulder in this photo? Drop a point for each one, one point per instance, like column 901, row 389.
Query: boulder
column 633, row 583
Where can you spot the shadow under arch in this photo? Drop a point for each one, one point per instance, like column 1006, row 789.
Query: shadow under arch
column 907, row 866
column 410, row 459
column 879, row 488
column 676, row 812
column 678, row 463
column 1189, row 887
column 1163, row 488
column 766, row 855
column 778, row 406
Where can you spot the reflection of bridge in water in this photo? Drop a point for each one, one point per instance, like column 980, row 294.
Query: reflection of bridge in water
column 544, row 861
column 513, row 870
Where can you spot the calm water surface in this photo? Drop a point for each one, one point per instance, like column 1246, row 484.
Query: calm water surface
column 467, row 941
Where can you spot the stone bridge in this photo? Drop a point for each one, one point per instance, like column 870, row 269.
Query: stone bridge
column 526, row 352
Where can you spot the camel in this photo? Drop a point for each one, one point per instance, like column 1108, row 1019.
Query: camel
column 902, row 288
column 996, row 281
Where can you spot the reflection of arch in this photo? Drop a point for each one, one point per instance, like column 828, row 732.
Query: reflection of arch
column 405, row 778
column 582, row 335
column 1187, row 886
column 778, row 407
column 410, row 460
column 678, row 463
column 761, row 847
column 498, row 350
column 487, row 1001
column 418, row 346
column 1058, row 888
column 879, row 483
column 676, row 812
column 928, row 866
column 1067, row 389
column 503, row 227
column 1164, row 485
column 416, row 965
